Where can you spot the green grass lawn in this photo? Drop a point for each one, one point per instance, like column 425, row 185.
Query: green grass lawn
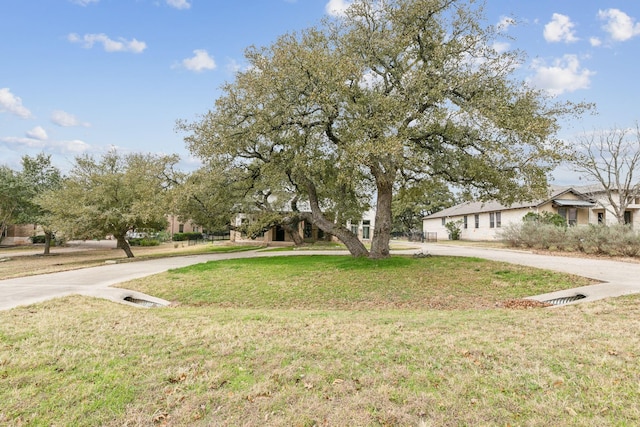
column 316, row 340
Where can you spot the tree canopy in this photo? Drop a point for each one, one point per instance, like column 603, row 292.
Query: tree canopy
column 112, row 196
column 401, row 89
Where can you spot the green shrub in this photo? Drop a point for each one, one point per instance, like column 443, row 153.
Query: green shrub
column 149, row 242
column 143, row 241
column 545, row 218
column 623, row 241
column 511, row 234
column 37, row 239
column 180, row 237
column 593, row 239
column 454, row 229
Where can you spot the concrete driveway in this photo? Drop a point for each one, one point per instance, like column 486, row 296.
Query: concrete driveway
column 618, row 278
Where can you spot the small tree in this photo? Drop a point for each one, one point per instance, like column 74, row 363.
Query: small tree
column 40, row 177
column 611, row 159
column 14, row 198
column 114, row 195
column 454, row 228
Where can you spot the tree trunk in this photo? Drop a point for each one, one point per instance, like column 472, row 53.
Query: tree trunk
column 384, row 173
column 382, row 226
column 124, row 245
column 291, row 226
column 350, row 240
column 48, row 235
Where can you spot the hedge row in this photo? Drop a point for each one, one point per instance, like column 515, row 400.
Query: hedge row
column 144, row 241
column 180, row 237
column 614, row 240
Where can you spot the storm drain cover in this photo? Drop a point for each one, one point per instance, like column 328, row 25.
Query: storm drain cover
column 565, row 300
column 143, row 302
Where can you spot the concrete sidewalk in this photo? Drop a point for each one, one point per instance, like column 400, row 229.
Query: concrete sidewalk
column 618, row 278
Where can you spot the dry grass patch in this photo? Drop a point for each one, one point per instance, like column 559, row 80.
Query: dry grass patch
column 80, row 361
column 62, row 259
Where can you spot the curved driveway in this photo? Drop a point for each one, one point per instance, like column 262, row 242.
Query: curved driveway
column 619, row 278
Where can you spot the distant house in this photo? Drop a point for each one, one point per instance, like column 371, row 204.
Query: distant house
column 362, row 227
column 484, row 220
column 174, row 225
column 20, row 234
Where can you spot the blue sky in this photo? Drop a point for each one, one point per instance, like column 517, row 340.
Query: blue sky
column 81, row 76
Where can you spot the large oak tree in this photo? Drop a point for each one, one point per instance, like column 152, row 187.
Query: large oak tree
column 394, row 88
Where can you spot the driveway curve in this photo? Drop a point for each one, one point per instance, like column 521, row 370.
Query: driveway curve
column 615, row 278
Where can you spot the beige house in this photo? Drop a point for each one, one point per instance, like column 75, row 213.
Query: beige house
column 362, row 227
column 20, row 234
column 602, row 213
column 176, row 226
column 484, row 220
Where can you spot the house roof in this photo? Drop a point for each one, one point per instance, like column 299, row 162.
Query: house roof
column 555, row 194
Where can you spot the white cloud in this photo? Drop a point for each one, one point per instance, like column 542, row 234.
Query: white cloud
column 74, row 146
column 560, row 29
column 84, row 2
column 64, row 119
column 179, row 4
column 12, row 104
column 595, row 41
column 337, row 7
column 109, row 45
column 565, row 75
column 38, row 133
column 199, row 62
column 620, row 26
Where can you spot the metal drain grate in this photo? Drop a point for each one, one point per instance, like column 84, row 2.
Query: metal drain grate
column 142, row 302
column 565, row 300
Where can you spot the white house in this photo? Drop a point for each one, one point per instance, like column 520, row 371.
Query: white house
column 484, row 220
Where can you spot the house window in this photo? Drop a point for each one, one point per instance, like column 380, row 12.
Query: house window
column 600, row 218
column 569, row 214
column 366, row 229
column 477, row 220
column 498, row 219
column 627, row 217
column 464, row 220
column 444, row 220
column 181, row 228
column 308, row 230
column 354, row 227
column 492, row 220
